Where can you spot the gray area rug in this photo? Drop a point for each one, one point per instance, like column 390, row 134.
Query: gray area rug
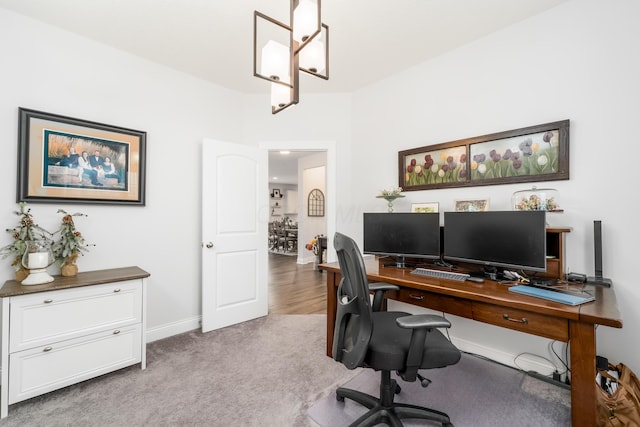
column 273, row 371
column 474, row 393
column 266, row 372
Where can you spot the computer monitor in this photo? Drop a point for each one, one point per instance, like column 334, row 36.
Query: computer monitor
column 514, row 240
column 401, row 235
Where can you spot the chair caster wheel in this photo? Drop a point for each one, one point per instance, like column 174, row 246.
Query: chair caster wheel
column 339, row 398
column 398, row 389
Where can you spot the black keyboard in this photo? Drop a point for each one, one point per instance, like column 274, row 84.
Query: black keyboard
column 439, row 274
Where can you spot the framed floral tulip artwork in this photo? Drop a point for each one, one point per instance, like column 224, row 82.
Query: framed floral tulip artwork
column 534, row 153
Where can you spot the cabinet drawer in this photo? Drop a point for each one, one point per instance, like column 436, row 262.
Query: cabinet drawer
column 43, row 369
column 43, row 318
column 520, row 320
column 435, row 301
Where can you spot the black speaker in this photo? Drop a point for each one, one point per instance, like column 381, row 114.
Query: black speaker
column 597, row 255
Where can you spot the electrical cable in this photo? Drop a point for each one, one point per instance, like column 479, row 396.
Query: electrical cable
column 551, row 379
column 531, row 354
column 553, row 350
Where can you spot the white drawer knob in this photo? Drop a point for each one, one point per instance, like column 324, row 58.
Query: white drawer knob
column 116, row 290
column 47, row 349
column 47, row 301
column 116, row 332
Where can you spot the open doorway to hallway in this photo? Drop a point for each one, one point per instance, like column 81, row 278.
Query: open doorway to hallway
column 294, row 286
column 297, row 201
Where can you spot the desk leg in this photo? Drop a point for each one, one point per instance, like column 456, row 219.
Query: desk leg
column 333, row 279
column 583, row 371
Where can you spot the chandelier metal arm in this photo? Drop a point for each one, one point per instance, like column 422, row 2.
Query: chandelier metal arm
column 320, row 49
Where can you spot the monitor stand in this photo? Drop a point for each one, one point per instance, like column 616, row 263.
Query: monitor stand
column 490, row 273
column 400, row 263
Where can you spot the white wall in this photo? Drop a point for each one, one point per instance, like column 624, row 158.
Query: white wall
column 47, row 69
column 578, row 61
column 51, row 70
column 312, row 173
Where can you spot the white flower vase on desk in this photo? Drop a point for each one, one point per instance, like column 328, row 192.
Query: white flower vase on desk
column 390, row 196
column 390, row 199
column 37, row 257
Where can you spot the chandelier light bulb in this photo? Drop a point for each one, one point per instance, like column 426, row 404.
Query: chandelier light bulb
column 275, row 61
column 305, row 20
column 312, row 57
column 280, row 95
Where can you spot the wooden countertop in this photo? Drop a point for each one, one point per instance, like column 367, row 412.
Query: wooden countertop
column 86, row 278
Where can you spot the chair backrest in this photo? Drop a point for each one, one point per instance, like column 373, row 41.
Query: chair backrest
column 353, row 315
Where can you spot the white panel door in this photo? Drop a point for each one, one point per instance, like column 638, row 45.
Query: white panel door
column 235, row 212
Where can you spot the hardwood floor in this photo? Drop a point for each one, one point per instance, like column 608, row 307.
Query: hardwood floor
column 295, row 288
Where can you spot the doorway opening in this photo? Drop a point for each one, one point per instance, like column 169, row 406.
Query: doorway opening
column 286, row 277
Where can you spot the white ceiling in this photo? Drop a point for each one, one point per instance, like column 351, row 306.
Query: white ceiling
column 213, row 39
column 283, row 168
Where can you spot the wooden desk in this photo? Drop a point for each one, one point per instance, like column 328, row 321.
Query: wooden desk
column 492, row 303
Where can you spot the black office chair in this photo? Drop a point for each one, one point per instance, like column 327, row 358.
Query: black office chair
column 384, row 341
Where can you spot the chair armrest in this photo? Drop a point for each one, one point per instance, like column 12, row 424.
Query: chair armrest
column 383, row 286
column 423, row 321
column 420, row 325
column 379, row 288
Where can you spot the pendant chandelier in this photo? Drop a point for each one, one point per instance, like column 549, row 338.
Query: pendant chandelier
column 301, row 46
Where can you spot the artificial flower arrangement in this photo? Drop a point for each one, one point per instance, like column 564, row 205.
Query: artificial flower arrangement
column 26, row 230
column 394, row 192
column 70, row 245
column 66, row 249
column 314, row 244
column 536, row 203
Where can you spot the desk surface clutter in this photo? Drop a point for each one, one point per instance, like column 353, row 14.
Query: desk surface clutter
column 493, row 303
column 553, row 295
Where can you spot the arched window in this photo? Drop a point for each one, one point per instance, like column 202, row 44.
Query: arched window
column 316, row 203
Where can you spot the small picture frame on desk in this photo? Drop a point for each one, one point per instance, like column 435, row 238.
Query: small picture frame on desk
column 471, row 205
column 425, row 207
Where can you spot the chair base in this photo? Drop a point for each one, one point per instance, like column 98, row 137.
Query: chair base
column 384, row 409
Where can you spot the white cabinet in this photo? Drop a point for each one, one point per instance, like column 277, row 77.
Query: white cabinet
column 292, row 203
column 70, row 330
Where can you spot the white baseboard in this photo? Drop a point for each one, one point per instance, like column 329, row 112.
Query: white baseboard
column 170, row 329
column 525, row 362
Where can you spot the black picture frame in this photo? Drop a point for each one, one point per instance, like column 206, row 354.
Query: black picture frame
column 50, row 168
column 529, row 154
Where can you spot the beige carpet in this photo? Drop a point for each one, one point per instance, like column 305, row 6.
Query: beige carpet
column 273, row 372
column 266, row 372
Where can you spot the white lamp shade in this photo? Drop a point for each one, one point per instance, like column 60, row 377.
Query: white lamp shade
column 280, row 95
column 305, row 19
column 312, row 57
column 275, row 61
